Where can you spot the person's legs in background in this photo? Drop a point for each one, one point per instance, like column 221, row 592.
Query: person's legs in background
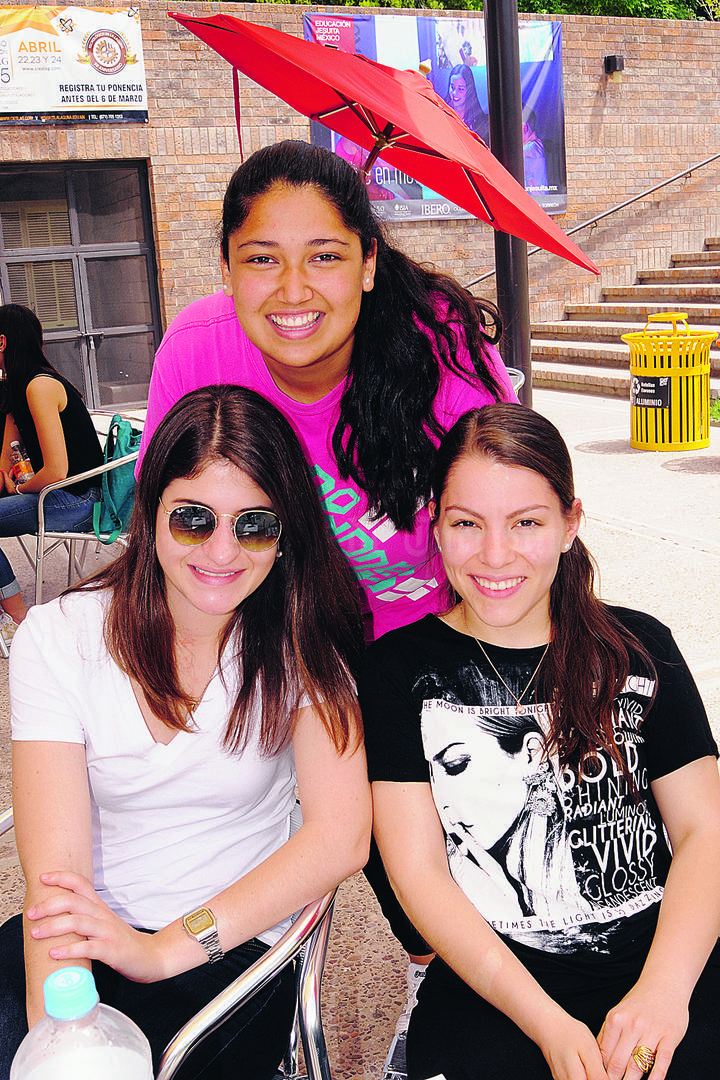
column 18, row 517
column 11, row 601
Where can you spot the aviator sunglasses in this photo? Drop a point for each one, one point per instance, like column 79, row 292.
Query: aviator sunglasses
column 194, row 524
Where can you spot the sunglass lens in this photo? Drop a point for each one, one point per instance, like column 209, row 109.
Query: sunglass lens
column 192, row 524
column 257, row 530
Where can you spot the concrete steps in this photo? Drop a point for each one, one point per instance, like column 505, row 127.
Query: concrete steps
column 584, row 351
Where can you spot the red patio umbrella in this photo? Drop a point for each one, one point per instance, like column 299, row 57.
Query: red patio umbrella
column 389, row 112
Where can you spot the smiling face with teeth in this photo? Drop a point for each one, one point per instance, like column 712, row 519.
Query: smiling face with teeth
column 205, row 584
column 297, row 275
column 501, row 531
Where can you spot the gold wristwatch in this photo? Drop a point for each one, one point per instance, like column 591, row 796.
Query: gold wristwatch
column 201, row 925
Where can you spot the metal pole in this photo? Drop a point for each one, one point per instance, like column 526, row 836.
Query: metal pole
column 505, row 115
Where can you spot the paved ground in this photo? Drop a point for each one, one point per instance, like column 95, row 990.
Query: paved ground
column 652, row 523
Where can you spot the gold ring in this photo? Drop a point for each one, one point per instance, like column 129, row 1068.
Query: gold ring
column 644, row 1058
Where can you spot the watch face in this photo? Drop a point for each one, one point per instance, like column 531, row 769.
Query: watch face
column 199, row 920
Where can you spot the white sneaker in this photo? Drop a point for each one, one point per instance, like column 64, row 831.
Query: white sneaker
column 415, row 975
column 395, row 1067
column 8, row 626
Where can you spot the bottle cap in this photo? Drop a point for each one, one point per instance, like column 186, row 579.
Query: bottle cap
column 70, row 993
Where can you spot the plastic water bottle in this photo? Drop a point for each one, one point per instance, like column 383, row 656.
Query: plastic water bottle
column 80, row 1039
column 20, row 465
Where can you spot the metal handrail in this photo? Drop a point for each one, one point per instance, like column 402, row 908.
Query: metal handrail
column 613, row 210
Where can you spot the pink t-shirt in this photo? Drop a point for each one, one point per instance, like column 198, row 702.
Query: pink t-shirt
column 400, row 572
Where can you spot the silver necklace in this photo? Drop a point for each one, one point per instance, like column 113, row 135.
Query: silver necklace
column 518, row 700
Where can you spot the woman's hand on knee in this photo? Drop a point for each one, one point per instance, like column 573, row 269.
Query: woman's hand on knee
column 646, row 1018
column 571, row 1051
column 75, row 908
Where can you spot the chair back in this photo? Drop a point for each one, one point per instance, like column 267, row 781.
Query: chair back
column 305, row 944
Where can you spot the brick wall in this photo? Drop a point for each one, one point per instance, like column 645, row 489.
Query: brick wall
column 621, row 139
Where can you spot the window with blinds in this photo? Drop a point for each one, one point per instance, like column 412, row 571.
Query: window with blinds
column 49, row 289
column 35, row 224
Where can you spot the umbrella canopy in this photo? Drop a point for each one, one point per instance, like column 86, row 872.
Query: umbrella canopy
column 389, row 112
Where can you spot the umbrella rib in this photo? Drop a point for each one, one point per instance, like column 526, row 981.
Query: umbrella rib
column 362, row 114
column 476, row 189
column 367, row 118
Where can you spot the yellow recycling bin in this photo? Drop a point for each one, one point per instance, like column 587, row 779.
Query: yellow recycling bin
column 670, row 385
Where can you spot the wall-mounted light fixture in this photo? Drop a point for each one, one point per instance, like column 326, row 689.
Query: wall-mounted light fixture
column 614, row 66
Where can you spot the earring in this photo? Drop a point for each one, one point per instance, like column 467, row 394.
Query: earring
column 567, row 547
column 226, row 290
column 278, row 554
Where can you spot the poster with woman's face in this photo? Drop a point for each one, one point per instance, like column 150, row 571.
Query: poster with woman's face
column 450, row 52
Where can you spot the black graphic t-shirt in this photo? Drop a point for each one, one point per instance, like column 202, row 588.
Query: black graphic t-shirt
column 556, row 859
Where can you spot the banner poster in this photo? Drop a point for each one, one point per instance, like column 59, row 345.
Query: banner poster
column 71, row 65
column 451, row 53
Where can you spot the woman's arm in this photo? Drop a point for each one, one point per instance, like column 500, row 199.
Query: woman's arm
column 51, row 807
column 655, row 1012
column 412, row 844
column 46, row 399
column 10, row 434
column 331, row 844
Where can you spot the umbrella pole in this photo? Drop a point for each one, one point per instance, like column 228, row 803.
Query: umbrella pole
column 505, row 114
column 236, row 98
column 382, row 141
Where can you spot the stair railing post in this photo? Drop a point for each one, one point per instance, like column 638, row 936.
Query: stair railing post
column 505, row 116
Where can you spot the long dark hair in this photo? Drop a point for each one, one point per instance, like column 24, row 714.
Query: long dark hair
column 475, row 116
column 409, row 325
column 24, row 356
column 590, row 651
column 299, row 633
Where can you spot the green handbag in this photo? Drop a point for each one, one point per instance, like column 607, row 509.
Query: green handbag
column 111, row 513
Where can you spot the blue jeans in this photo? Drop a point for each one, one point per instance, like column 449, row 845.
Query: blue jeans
column 249, row 1044
column 63, row 512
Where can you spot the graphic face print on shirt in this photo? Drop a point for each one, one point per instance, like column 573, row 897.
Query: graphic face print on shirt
column 547, row 855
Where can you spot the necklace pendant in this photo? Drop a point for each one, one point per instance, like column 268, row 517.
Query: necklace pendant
column 519, row 709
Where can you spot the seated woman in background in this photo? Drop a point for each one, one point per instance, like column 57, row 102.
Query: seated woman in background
column 46, row 414
column 531, row 752
column 533, row 153
column 163, row 713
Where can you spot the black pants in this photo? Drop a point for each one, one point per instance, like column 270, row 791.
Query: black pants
column 400, row 925
column 455, row 1033
column 250, row 1044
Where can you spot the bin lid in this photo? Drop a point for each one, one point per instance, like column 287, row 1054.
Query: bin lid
column 680, row 329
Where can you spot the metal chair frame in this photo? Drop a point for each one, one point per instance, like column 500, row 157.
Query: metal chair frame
column 7, row 821
column 517, row 378
column 305, row 945
column 69, row 539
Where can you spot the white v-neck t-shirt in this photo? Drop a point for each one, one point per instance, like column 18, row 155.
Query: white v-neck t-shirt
column 172, row 825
